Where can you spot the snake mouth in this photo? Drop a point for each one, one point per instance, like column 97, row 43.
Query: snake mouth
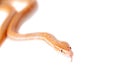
column 69, row 54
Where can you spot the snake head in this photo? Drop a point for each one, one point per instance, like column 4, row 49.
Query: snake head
column 65, row 48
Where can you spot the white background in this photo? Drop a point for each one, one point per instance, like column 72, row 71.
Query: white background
column 92, row 28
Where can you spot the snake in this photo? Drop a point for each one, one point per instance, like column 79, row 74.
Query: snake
column 10, row 27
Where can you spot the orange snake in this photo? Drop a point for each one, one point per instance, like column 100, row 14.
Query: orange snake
column 9, row 27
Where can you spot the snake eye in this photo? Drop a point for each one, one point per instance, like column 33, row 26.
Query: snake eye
column 61, row 51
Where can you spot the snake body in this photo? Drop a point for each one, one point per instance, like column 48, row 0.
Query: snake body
column 12, row 23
